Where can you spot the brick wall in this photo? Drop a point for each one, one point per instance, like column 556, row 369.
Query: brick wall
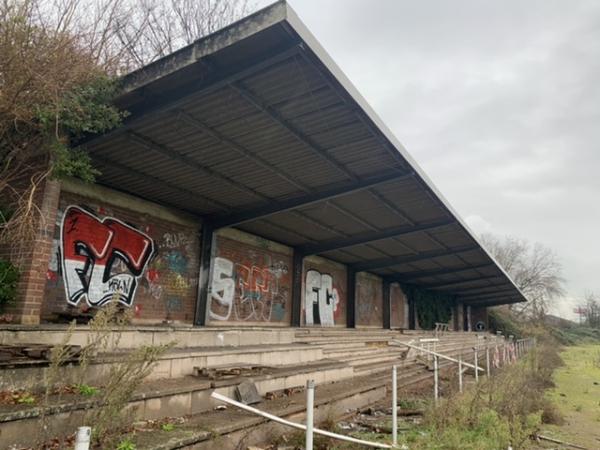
column 324, row 300
column 155, row 272
column 251, row 281
column 32, row 257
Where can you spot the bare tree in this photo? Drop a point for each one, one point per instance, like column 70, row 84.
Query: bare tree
column 592, row 310
column 157, row 28
column 58, row 60
column 535, row 269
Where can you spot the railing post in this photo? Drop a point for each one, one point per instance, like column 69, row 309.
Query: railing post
column 310, row 403
column 394, row 406
column 487, row 360
column 476, row 364
column 460, row 374
column 436, row 368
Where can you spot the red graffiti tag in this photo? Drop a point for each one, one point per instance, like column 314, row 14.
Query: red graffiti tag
column 93, row 253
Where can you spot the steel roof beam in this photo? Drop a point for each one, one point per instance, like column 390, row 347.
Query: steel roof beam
column 416, row 274
column 366, row 238
column 394, row 261
column 297, row 133
column 239, row 149
column 149, row 144
column 497, row 292
column 159, row 182
column 479, row 288
column 201, row 87
column 495, row 301
column 310, row 199
column 440, row 284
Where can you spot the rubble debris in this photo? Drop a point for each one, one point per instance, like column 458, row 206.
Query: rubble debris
column 19, row 354
column 227, row 371
column 247, row 393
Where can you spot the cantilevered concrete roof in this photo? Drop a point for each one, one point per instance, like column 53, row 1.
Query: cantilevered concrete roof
column 255, row 127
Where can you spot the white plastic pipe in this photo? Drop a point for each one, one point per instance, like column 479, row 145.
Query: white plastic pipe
column 487, row 360
column 476, row 364
column 310, row 406
column 298, row 426
column 394, row 405
column 436, row 380
column 460, row 374
column 82, row 438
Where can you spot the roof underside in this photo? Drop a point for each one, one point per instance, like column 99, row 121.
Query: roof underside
column 253, row 127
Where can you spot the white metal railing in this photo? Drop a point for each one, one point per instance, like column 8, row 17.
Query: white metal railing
column 299, row 426
column 434, row 353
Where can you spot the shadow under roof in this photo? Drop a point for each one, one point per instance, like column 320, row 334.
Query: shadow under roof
column 255, row 127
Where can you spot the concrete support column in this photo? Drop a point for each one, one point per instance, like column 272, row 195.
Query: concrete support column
column 351, row 296
column 203, row 299
column 469, row 322
column 297, row 274
column 387, row 305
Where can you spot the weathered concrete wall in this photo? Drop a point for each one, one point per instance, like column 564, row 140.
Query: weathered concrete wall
column 369, row 300
column 108, row 246
column 399, row 301
column 251, row 280
column 324, row 285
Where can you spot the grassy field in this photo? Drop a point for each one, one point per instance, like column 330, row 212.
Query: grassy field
column 577, row 395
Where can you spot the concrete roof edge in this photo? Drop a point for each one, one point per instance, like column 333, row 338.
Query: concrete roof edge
column 311, row 42
column 192, row 53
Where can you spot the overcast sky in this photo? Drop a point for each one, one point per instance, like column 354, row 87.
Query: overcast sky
column 498, row 101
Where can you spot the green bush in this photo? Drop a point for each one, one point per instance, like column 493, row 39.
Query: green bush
column 9, row 276
column 431, row 306
column 501, row 411
column 502, row 321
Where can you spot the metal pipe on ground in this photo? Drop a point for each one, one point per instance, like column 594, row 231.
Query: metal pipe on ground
column 298, row 426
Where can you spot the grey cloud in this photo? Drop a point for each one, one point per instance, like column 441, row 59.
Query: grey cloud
column 499, row 102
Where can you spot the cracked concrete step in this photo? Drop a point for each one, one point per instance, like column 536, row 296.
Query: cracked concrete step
column 176, row 362
column 139, row 335
column 158, row 399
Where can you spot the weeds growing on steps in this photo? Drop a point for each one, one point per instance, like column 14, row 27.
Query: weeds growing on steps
column 504, row 410
column 115, row 383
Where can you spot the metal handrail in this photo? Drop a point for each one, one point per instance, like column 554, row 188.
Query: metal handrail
column 296, row 425
column 439, row 355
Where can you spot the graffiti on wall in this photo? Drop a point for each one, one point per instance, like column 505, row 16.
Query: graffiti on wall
column 102, row 259
column 248, row 292
column 321, row 299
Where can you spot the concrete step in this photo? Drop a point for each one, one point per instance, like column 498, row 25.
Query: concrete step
column 157, row 399
column 349, row 354
column 177, row 362
column 134, row 337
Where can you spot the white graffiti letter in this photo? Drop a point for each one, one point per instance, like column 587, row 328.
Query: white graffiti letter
column 222, row 287
column 321, row 299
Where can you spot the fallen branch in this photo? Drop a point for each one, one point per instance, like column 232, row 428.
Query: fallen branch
column 556, row 441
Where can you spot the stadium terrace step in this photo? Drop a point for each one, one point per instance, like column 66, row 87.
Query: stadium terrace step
column 161, row 398
column 136, row 336
column 176, row 362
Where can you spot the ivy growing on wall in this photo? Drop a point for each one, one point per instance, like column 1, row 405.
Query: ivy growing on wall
column 9, row 276
column 430, row 306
